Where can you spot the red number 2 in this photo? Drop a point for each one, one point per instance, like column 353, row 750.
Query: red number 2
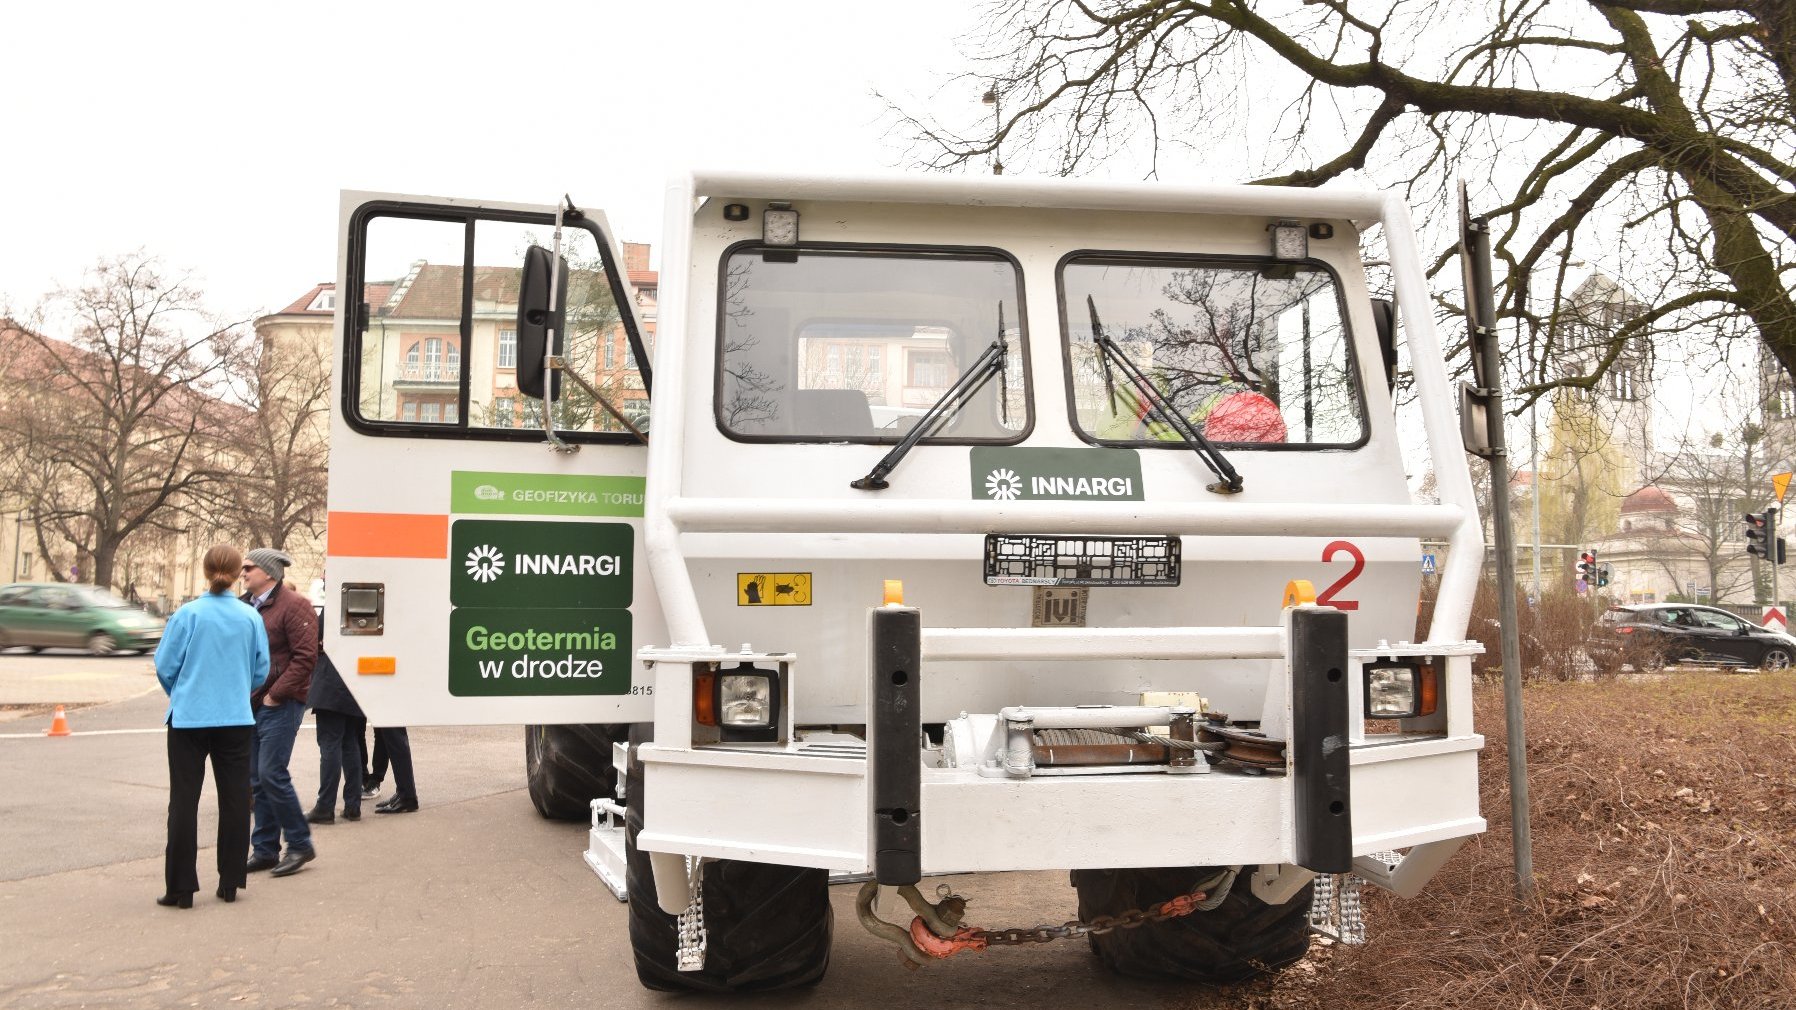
column 1327, row 599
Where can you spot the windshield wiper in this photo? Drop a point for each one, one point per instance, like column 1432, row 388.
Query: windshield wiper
column 991, row 362
column 1108, row 353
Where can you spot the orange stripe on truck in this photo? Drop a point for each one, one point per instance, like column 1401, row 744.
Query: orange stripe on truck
column 387, row 535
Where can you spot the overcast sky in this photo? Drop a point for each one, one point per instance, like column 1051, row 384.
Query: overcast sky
column 218, row 135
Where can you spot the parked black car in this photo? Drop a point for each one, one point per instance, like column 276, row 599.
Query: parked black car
column 1649, row 636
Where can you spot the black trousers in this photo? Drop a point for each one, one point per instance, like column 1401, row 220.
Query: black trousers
column 339, row 759
column 392, row 743
column 188, row 749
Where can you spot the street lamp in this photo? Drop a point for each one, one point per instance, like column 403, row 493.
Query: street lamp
column 992, row 99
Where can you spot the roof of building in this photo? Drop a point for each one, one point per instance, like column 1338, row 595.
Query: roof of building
column 1648, row 499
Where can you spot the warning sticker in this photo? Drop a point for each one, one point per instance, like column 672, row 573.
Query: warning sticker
column 773, row 589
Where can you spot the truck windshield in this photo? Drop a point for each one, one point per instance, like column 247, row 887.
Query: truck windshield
column 855, row 345
column 1251, row 353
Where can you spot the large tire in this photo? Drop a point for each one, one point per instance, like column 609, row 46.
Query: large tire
column 767, row 926
column 1239, row 939
column 570, row 766
column 1777, row 657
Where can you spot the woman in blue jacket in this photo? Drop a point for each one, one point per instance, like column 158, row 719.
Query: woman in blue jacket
column 213, row 654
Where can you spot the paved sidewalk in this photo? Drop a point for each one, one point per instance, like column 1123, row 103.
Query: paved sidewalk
column 69, row 678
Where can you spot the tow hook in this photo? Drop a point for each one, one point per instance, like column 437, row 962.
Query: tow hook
column 934, row 933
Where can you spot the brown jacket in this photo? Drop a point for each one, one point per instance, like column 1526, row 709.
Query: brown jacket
column 292, row 645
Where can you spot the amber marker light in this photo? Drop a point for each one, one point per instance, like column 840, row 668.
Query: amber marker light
column 894, row 594
column 704, row 698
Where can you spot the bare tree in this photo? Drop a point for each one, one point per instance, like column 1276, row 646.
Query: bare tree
column 1711, row 484
column 283, row 444
column 1655, row 132
column 115, row 431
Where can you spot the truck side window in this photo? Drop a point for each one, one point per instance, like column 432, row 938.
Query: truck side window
column 1254, row 354
column 438, row 349
column 854, row 345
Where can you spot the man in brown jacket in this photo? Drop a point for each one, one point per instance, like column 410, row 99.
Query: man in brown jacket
column 280, row 704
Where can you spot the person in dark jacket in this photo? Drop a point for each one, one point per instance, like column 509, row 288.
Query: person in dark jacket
column 339, row 720
column 280, row 705
column 213, row 654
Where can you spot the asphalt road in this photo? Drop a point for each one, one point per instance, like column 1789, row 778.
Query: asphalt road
column 474, row 901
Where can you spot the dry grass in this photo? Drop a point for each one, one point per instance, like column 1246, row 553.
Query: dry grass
column 1664, row 850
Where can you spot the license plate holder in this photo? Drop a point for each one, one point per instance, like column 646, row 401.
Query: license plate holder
column 1030, row 559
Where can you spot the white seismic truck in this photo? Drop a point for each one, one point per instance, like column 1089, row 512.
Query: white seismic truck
column 954, row 525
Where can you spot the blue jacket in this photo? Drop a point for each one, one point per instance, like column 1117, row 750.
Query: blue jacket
column 213, row 654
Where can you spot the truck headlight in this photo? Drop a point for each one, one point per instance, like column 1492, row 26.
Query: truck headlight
column 743, row 702
column 1401, row 690
column 745, row 699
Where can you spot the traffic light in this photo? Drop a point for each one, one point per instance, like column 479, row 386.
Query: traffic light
column 1587, row 567
column 1604, row 573
column 1758, row 534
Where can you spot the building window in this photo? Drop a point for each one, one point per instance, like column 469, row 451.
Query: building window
column 454, row 361
column 433, row 358
column 504, row 412
column 610, row 353
column 929, row 369
column 409, row 412
column 433, row 412
column 450, row 412
column 411, row 361
column 508, row 348
column 1624, row 382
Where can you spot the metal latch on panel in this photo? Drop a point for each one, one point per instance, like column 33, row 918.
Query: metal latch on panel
column 363, row 610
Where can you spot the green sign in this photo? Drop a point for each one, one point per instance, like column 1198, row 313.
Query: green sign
column 543, row 494
column 504, row 651
column 1009, row 473
column 558, row 565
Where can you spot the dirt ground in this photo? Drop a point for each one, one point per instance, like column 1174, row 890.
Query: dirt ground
column 1664, row 817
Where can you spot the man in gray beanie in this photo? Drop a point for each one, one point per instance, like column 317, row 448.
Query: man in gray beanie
column 280, row 704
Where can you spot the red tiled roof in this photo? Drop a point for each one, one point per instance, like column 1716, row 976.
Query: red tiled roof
column 305, row 301
column 1648, row 499
column 645, row 278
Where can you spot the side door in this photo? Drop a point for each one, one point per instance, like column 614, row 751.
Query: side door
column 19, row 615
column 59, row 617
column 1728, row 639
column 476, row 572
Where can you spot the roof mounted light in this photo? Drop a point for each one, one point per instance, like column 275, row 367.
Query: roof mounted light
column 779, row 225
column 1290, row 240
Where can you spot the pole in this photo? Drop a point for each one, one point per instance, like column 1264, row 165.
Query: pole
column 1485, row 341
column 1527, row 299
column 1770, row 550
column 18, row 534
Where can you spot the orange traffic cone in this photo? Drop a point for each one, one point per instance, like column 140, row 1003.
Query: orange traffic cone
column 59, row 724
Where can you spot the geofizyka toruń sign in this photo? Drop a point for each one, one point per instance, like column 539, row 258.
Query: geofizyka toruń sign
column 554, row 565
column 543, row 494
column 1009, row 473
column 503, row 651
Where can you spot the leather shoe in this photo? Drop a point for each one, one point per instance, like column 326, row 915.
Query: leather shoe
column 227, row 893
column 293, row 860
column 352, row 815
column 319, row 815
column 182, row 900
column 396, row 805
column 260, row 862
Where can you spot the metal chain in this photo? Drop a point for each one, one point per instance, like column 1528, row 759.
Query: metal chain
column 1172, row 908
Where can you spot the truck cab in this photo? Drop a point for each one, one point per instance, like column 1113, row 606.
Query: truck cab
column 981, row 524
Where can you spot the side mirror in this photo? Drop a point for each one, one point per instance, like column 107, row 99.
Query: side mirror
column 1384, row 316
column 534, row 320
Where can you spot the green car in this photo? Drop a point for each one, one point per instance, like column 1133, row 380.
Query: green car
column 45, row 614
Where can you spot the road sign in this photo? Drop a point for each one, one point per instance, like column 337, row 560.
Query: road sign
column 1427, row 564
column 1780, row 482
column 1775, row 614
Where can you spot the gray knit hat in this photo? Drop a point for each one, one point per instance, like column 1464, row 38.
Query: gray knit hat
column 271, row 561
